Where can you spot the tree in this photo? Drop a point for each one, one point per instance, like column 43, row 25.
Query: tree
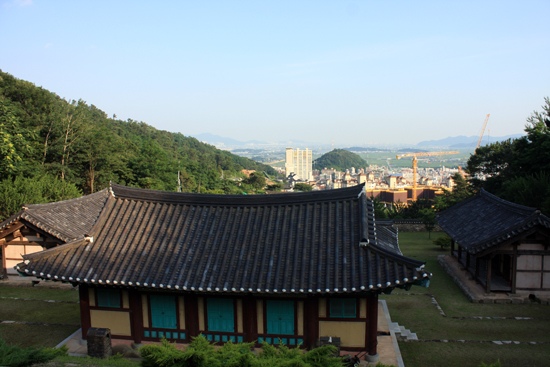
column 302, row 187
column 256, row 180
column 443, row 242
column 15, row 192
column 12, row 140
column 428, row 219
column 461, row 191
column 521, row 164
column 278, row 186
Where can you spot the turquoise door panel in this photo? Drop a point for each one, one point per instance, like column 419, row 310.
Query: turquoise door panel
column 280, row 317
column 163, row 312
column 220, row 314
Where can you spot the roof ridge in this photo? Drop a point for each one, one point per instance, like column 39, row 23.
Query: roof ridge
column 63, row 202
column 132, row 193
column 513, row 206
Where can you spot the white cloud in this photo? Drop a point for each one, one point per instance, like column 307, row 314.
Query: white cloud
column 48, row 45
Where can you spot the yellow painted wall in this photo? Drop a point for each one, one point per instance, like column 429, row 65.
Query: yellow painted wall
column 351, row 333
column 300, row 317
column 240, row 326
column 322, row 307
column 200, row 302
column 125, row 300
column 181, row 306
column 260, row 314
column 91, row 296
column 145, row 309
column 363, row 307
column 118, row 322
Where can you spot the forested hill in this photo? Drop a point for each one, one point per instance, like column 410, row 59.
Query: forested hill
column 76, row 143
column 339, row 159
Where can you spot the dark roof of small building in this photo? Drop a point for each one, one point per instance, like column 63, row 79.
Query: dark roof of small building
column 484, row 221
column 65, row 220
column 314, row 242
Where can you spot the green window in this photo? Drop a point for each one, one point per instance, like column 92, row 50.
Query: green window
column 221, row 315
column 280, row 317
column 108, row 298
column 343, row 307
column 163, row 312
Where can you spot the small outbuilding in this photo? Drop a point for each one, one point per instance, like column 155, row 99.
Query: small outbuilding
column 287, row 268
column 505, row 246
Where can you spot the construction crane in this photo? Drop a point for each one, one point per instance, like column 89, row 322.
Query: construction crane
column 482, row 131
column 415, row 164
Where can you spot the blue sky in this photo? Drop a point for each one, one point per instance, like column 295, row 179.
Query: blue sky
column 361, row 72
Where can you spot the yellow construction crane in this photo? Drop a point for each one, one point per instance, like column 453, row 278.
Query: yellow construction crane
column 415, row 164
column 482, row 131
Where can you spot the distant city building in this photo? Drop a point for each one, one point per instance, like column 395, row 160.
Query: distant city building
column 299, row 161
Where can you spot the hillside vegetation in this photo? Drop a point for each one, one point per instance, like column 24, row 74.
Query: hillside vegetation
column 76, row 144
column 339, row 159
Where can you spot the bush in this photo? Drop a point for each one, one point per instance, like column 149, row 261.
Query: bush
column 15, row 356
column 201, row 353
column 443, row 241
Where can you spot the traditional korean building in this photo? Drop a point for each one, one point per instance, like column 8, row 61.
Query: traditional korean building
column 284, row 268
column 42, row 226
column 505, row 246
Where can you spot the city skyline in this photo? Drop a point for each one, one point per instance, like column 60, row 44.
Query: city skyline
column 363, row 72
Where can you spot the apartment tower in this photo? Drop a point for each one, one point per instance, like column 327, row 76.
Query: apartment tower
column 298, row 161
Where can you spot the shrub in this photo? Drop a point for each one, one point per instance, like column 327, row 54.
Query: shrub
column 15, row 356
column 201, row 353
column 443, row 241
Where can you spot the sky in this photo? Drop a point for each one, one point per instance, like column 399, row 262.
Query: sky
column 358, row 72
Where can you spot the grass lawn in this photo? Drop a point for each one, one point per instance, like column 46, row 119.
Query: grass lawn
column 35, row 335
column 55, row 294
column 420, row 315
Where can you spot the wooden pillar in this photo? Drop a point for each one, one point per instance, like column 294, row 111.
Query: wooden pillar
column 372, row 325
column 452, row 247
column 489, row 271
column 192, row 315
column 459, row 254
column 514, row 267
column 467, row 260
column 250, row 319
column 136, row 312
column 311, row 310
column 85, row 320
column 477, row 268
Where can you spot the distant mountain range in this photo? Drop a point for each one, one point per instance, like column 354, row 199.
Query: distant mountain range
column 462, row 141
column 220, row 140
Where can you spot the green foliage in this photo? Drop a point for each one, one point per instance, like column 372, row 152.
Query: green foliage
column 303, row 187
column 517, row 170
column 15, row 356
column 428, row 219
column 12, row 140
column 340, row 160
column 256, row 181
column 15, row 192
column 461, row 191
column 201, row 353
column 41, row 133
column 278, row 186
column 443, row 242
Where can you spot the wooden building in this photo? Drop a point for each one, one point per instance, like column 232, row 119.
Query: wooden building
column 505, row 246
column 271, row 268
column 42, row 226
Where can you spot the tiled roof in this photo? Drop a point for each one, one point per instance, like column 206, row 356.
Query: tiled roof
column 66, row 220
column 315, row 242
column 484, row 221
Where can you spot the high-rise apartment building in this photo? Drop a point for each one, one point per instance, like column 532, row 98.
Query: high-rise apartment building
column 298, row 161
